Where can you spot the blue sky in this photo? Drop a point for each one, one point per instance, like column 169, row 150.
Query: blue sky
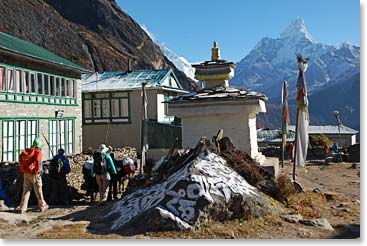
column 189, row 27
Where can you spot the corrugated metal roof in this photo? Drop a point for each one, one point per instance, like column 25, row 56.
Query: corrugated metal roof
column 329, row 129
column 273, row 135
column 120, row 80
column 22, row 47
column 219, row 93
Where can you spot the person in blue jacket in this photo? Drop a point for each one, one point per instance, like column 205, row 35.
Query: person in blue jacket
column 4, row 197
column 59, row 168
column 102, row 168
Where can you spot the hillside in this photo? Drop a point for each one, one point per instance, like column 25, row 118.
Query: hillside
column 96, row 34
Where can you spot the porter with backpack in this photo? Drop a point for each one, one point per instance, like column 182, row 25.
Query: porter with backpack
column 103, row 167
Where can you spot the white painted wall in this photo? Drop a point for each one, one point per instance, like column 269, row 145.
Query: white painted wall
column 238, row 122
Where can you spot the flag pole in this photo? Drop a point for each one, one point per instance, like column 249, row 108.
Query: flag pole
column 143, row 129
column 295, row 148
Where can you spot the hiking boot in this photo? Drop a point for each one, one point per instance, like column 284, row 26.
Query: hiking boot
column 44, row 208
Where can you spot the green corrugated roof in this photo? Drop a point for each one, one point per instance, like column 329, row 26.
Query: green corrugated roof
column 16, row 45
column 120, row 80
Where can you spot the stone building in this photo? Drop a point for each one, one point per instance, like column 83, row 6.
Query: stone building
column 39, row 95
column 219, row 106
column 112, row 108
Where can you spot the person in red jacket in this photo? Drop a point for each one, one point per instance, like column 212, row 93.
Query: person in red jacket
column 30, row 165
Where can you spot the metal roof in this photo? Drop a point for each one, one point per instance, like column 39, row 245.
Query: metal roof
column 329, row 129
column 219, row 93
column 120, row 80
column 22, row 47
column 273, row 135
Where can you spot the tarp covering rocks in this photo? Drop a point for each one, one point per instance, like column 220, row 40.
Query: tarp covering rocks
column 203, row 189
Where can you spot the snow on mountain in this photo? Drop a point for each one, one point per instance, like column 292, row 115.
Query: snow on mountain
column 180, row 62
column 274, row 59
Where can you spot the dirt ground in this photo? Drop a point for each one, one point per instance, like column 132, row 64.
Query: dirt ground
column 331, row 192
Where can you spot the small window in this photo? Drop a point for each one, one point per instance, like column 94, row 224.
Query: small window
column 10, row 79
column 87, row 108
column 97, row 109
column 57, row 87
column 63, row 87
column 72, row 88
column 26, row 82
column 115, row 108
column 88, row 96
column 2, row 78
column 105, row 108
column 124, row 107
column 18, row 80
column 52, row 86
column 33, row 83
column 46, row 82
column 39, row 83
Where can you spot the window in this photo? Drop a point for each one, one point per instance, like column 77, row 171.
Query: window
column 19, row 81
column 2, row 78
column 8, row 140
column 27, row 83
column 33, row 82
column 57, row 87
column 52, row 83
column 168, row 95
column 40, row 83
column 10, row 79
column 46, row 84
column 17, row 135
column 106, row 107
column 61, row 135
column 40, row 87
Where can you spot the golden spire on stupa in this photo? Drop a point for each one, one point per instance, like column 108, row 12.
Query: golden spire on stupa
column 215, row 52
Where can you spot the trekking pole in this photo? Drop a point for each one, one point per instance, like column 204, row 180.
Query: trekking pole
column 49, row 147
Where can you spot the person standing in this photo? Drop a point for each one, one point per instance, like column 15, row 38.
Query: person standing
column 291, row 151
column 103, row 167
column 30, row 165
column 59, row 167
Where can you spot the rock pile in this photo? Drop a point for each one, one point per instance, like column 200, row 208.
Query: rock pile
column 201, row 187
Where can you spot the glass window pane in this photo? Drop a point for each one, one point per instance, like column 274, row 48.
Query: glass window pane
column 39, row 83
column 124, row 107
column 10, row 79
column 52, row 85
column 102, row 95
column 57, row 87
column 105, row 108
column 119, row 94
column 96, row 109
column 45, row 81
column 33, row 82
column 26, row 82
column 18, row 79
column 115, row 108
column 2, row 78
column 87, row 108
column 63, row 87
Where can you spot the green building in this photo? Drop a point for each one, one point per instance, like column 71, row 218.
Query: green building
column 40, row 94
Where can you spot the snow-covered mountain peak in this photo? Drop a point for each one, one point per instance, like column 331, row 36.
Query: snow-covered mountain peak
column 180, row 62
column 296, row 31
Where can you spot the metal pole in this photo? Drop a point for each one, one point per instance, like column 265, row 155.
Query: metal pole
column 143, row 129
column 295, row 148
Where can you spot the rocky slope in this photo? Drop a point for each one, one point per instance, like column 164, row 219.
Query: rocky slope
column 96, row 34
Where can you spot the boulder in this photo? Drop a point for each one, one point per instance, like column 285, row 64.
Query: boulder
column 293, row 218
column 201, row 190
column 321, row 223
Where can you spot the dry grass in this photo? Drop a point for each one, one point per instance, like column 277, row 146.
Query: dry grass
column 284, row 187
column 74, row 231
column 307, row 204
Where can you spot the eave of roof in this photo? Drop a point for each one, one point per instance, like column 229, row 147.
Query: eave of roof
column 24, row 48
